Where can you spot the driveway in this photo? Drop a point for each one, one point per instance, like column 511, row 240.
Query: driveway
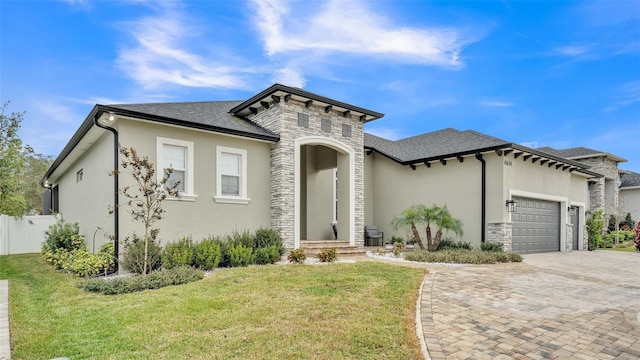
column 579, row 305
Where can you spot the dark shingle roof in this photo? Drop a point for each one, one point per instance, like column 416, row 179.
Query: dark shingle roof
column 580, row 152
column 630, row 179
column 434, row 144
column 208, row 114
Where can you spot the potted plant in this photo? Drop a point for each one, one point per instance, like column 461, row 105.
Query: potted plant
column 394, row 240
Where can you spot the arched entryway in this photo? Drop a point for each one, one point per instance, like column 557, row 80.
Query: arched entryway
column 324, row 190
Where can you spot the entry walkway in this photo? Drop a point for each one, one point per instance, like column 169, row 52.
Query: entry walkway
column 5, row 346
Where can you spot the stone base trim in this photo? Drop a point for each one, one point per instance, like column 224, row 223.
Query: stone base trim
column 501, row 232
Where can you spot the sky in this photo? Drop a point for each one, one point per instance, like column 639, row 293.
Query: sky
column 537, row 73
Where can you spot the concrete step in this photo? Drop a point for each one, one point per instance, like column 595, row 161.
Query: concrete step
column 313, row 247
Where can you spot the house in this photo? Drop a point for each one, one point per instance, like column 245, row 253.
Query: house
column 630, row 194
column 298, row 162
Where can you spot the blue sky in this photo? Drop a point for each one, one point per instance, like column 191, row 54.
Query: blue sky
column 539, row 73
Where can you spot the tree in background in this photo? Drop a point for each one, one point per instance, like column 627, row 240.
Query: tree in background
column 21, row 169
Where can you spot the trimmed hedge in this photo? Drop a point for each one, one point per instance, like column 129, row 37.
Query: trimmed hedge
column 462, row 256
column 155, row 280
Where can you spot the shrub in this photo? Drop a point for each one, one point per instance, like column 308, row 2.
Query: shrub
column 133, row 257
column 492, row 246
column 179, row 253
column 63, row 235
column 297, row 256
column 595, row 225
column 240, row 255
column 329, row 255
column 449, row 244
column 207, row 254
column 267, row 255
column 269, row 237
column 245, row 238
column 154, row 280
column 463, row 256
column 398, row 248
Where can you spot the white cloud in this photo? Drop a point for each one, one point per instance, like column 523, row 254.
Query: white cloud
column 531, row 144
column 290, row 77
column 353, row 28
column 161, row 54
column 628, row 94
column 572, row 50
column 385, row 133
column 495, row 103
column 55, row 111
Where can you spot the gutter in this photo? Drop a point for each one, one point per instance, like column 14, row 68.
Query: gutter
column 116, row 200
column 483, row 215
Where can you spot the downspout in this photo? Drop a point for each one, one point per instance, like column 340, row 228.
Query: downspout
column 116, row 225
column 484, row 196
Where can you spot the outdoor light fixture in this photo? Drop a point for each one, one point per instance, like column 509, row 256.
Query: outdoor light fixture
column 572, row 210
column 111, row 117
column 512, row 205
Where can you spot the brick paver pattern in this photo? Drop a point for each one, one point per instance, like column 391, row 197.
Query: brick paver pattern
column 581, row 305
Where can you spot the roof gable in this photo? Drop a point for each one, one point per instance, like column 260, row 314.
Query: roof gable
column 580, row 152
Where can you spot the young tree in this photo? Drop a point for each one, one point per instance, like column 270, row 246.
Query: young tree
column 145, row 199
column 437, row 216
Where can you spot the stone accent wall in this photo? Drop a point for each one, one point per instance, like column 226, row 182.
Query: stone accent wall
column 597, row 193
column 282, row 119
column 569, row 242
column 501, row 232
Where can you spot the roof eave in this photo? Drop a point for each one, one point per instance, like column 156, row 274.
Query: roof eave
column 369, row 115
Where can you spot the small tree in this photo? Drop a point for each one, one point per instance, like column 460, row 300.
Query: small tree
column 595, row 225
column 437, row 216
column 146, row 202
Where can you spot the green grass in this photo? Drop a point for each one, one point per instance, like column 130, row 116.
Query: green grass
column 363, row 310
column 627, row 246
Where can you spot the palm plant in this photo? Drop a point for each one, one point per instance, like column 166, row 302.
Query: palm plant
column 411, row 217
column 445, row 222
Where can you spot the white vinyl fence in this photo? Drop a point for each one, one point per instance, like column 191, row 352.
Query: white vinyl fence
column 23, row 236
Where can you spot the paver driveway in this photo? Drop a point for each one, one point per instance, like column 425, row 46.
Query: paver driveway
column 579, row 305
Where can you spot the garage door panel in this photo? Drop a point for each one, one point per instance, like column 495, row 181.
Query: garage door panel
column 536, row 226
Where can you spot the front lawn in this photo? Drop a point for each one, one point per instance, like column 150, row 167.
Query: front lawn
column 364, row 310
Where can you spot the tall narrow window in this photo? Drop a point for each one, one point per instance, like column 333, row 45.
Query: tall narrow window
column 177, row 155
column 231, row 175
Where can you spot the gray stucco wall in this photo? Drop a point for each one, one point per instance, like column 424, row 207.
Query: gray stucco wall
column 87, row 201
column 204, row 216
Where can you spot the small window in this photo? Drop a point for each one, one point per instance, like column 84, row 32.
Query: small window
column 79, row 175
column 177, row 155
column 325, row 125
column 346, row 130
column 303, row 120
column 231, row 175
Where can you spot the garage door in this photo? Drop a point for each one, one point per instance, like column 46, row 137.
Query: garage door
column 536, row 226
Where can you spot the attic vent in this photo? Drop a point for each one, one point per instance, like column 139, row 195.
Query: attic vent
column 346, row 130
column 325, row 125
column 303, row 120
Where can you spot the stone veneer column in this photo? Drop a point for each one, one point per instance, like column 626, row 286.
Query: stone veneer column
column 501, row 232
column 282, row 119
column 569, row 242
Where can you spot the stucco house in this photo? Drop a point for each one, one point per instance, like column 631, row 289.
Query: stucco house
column 298, row 162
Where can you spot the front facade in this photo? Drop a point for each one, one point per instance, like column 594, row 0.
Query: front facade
column 302, row 164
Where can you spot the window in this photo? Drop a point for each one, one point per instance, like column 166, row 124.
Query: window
column 177, row 155
column 325, row 125
column 79, row 175
column 346, row 130
column 231, row 175
column 303, row 120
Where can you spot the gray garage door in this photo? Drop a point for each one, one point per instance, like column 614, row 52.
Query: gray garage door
column 536, row 226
